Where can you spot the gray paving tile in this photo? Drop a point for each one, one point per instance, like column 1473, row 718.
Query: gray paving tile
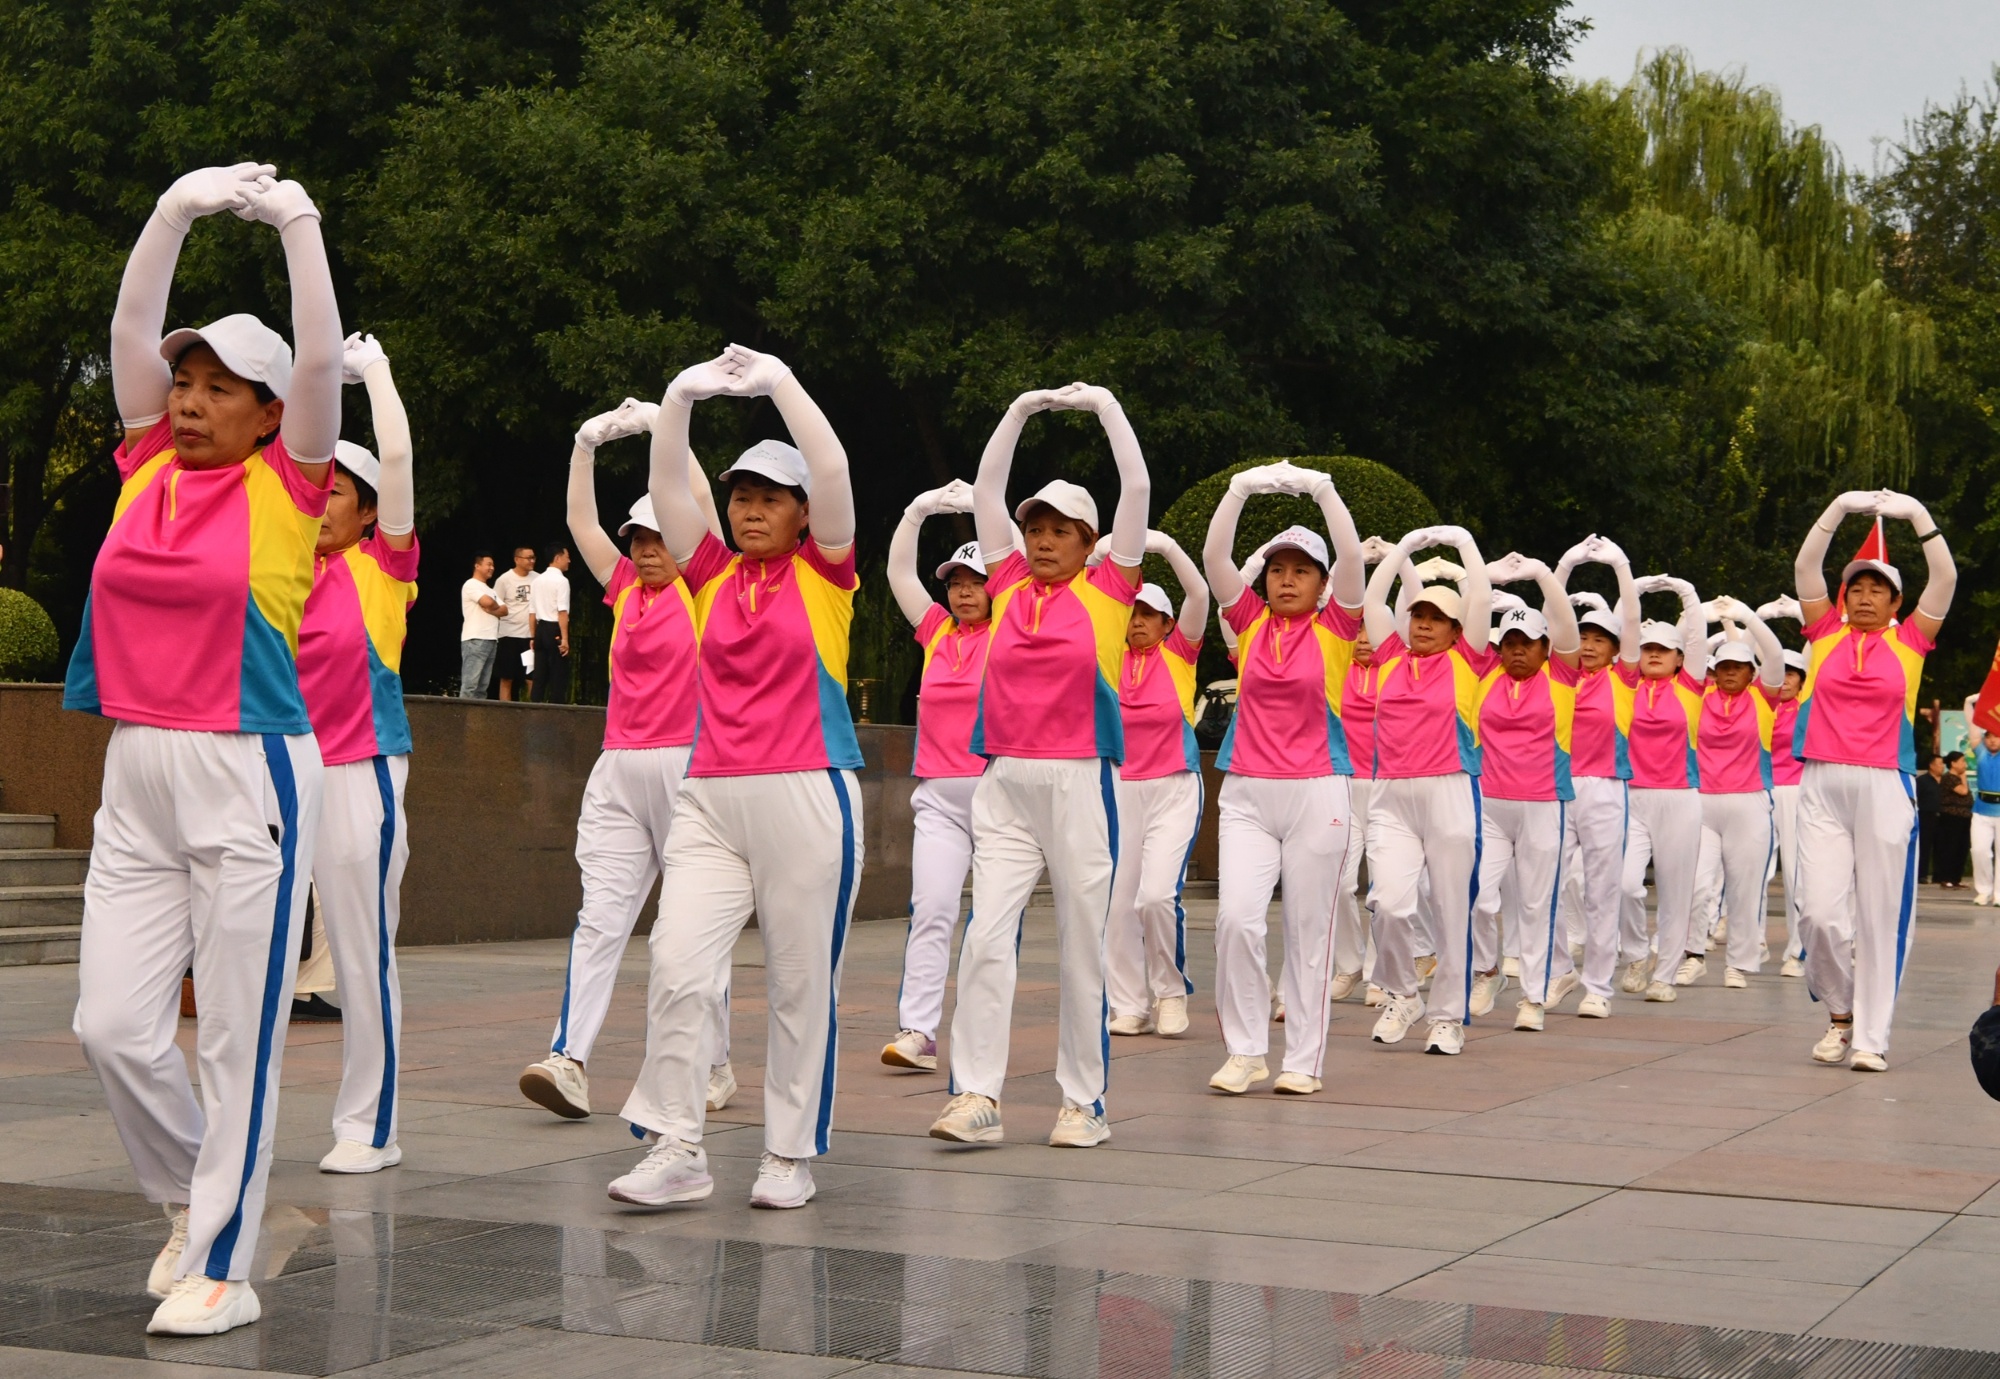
column 1407, row 1226
column 1632, row 1209
column 1520, row 1196
column 1340, row 1265
column 1945, row 1296
column 1656, row 1245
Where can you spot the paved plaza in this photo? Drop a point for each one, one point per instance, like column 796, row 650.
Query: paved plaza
column 1675, row 1191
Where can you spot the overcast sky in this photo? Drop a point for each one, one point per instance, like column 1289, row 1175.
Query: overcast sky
column 1855, row 68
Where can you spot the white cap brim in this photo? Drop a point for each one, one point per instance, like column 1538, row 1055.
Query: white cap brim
column 1527, row 621
column 642, row 516
column 1662, row 634
column 1877, row 567
column 1739, row 652
column 358, row 461
column 1071, row 500
column 782, row 464
column 238, row 341
column 966, row 557
column 1796, row 660
column 1442, row 597
column 1155, row 598
column 1605, row 621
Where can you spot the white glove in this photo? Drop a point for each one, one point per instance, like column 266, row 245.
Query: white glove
column 1254, row 566
column 1859, row 500
column 205, row 191
column 955, row 496
column 1375, row 550
column 1604, row 551
column 1729, row 609
column 1082, row 397
column 1583, row 598
column 1293, row 480
column 1503, row 601
column 1783, row 606
column 760, row 373
column 630, row 418
column 717, row 377
column 357, row 352
column 1158, row 543
column 1264, row 479
column 1900, row 507
column 278, row 204
column 1437, row 568
column 1649, row 584
column 1039, row 400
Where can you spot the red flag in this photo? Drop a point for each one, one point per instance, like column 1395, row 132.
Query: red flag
column 1986, row 713
column 1874, row 546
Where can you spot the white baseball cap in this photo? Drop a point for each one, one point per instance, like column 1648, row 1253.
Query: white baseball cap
column 247, row 348
column 1605, row 621
column 1527, row 621
column 1071, row 500
column 774, row 460
column 967, row 555
column 1442, row 597
column 358, row 461
column 1880, row 567
column 1155, row 598
column 1666, row 634
column 642, row 516
column 1795, row 660
column 1733, row 651
column 1304, row 540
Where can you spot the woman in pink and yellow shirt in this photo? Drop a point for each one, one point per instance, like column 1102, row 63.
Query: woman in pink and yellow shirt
column 350, row 664
column 1856, row 732
column 1159, row 803
column 1425, row 817
column 954, row 637
column 204, row 841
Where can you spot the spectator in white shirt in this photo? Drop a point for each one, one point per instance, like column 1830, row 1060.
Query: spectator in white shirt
column 517, row 623
column 479, row 631
column 549, row 598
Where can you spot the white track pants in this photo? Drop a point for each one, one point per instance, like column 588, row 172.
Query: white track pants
column 1145, row 941
column 1706, row 907
column 1664, row 829
column 1297, row 832
column 787, row 846
column 1597, row 823
column 1353, row 915
column 1785, row 820
column 1985, row 838
column 1028, row 814
column 1430, row 823
column 940, row 856
column 1857, row 891
column 1524, row 839
column 364, row 843
column 203, row 845
column 1745, row 837
column 621, row 841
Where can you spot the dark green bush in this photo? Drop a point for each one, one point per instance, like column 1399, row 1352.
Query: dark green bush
column 28, row 646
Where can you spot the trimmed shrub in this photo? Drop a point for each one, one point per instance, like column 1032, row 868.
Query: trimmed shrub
column 28, row 646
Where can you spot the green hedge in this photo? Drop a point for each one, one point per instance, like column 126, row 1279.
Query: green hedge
column 28, row 646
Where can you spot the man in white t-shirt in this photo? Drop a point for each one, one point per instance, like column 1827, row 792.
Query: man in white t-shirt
column 549, row 599
column 517, row 623
column 479, row 629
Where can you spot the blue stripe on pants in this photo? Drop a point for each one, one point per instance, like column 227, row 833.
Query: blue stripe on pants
column 1555, row 895
column 1907, row 909
column 1107, row 788
column 277, row 966
column 1180, row 887
column 1472, row 899
column 385, row 1105
column 840, row 917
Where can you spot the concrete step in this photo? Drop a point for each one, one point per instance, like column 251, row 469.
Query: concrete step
column 27, row 830
column 24, row 907
column 40, row 944
column 43, row 866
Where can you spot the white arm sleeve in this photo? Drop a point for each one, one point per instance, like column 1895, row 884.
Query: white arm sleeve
column 312, row 405
column 906, row 582
column 1770, row 652
column 1478, row 623
column 1193, row 621
column 1218, row 551
column 1563, row 638
column 140, row 379
column 1350, row 568
column 396, row 495
column 826, row 460
column 995, row 528
column 1135, row 489
column 669, row 483
column 1809, row 570
column 1694, row 633
column 593, row 543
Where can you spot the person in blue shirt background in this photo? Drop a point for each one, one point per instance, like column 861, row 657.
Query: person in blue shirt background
column 1985, row 773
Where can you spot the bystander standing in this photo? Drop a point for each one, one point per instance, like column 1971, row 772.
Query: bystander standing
column 479, row 629
column 550, row 602
column 517, row 625
column 1954, row 825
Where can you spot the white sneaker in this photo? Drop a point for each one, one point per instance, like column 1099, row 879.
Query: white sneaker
column 355, row 1156
column 1720, row 933
column 160, row 1281
column 1131, row 1024
column 1576, row 956
column 1297, row 1084
column 1511, row 967
column 911, row 1049
column 672, row 1171
column 1868, row 1062
column 1692, row 969
column 1277, row 1009
column 1636, row 975
column 1832, row 1046
column 1661, row 991
column 1170, row 1017
column 1734, row 980
column 1594, row 1008
column 201, row 1306
column 782, row 1183
column 1397, row 1016
column 1486, row 989
column 1793, row 968
column 1447, row 1036
column 721, row 1086
column 559, row 1084
column 1374, row 996
column 969, row 1118
column 1560, row 988
column 1982, row 900
column 1078, row 1127
column 1528, row 1016
column 1343, row 985
column 1427, row 967
column 1239, row 1074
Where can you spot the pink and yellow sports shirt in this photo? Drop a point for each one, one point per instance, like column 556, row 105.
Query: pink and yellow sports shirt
column 1056, row 649
column 652, row 700
column 948, row 695
column 1526, row 732
column 1665, row 716
column 1357, row 718
column 1733, row 740
column 771, row 688
column 1859, row 704
column 1427, row 710
column 1603, row 721
column 351, row 650
column 198, row 592
column 1156, row 702
column 1290, row 676
column 1786, row 768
